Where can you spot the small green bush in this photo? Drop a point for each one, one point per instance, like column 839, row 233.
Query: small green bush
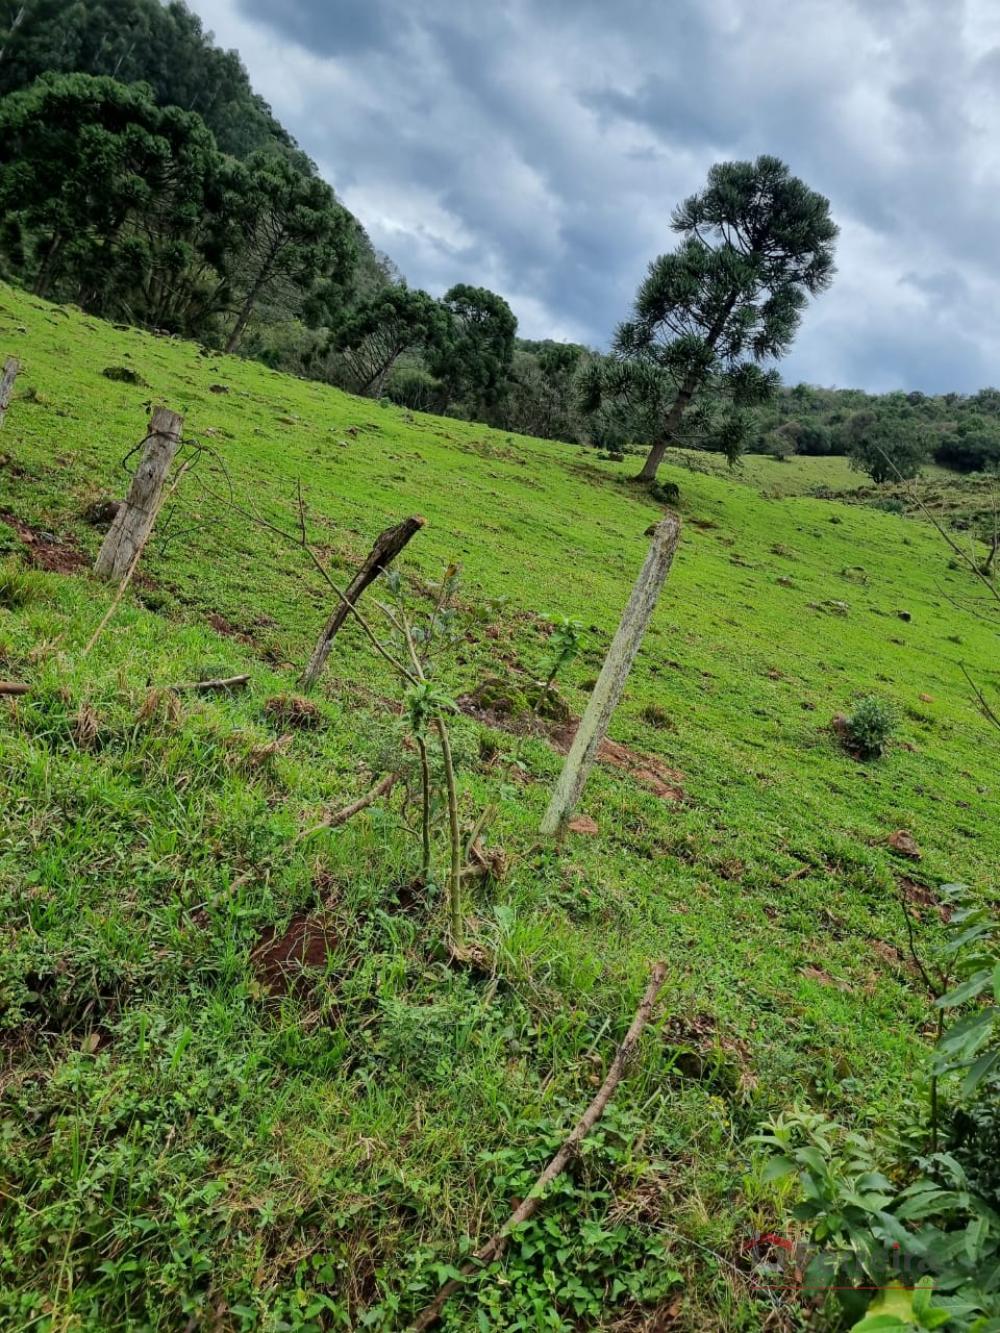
column 869, row 727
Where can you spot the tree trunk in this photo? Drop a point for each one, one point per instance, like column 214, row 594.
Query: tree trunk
column 387, row 546
column 242, row 320
column 10, row 368
column 681, row 403
column 44, row 273
column 670, row 428
column 135, row 518
column 610, row 685
column 18, row 19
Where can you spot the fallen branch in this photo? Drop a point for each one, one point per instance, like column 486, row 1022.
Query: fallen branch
column 13, row 687
column 207, row 686
column 496, row 1244
column 338, row 817
column 387, row 546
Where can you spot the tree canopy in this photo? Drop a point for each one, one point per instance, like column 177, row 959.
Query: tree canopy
column 755, row 244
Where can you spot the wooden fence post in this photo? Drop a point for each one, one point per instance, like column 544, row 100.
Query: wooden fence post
column 387, row 546
column 135, row 518
column 610, row 685
column 10, row 368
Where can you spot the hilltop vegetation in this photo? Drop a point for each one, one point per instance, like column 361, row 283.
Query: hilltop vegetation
column 196, row 1138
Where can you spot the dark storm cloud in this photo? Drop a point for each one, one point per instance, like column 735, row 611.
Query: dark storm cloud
column 538, row 147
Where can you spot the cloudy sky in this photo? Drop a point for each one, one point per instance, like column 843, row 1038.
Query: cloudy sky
column 537, row 147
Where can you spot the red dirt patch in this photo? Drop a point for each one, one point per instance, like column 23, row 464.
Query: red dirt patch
column 283, row 962
column 46, row 550
column 651, row 771
column 583, row 824
column 905, row 844
column 223, row 626
column 919, row 896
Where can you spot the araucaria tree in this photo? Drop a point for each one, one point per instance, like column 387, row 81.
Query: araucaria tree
column 755, row 244
column 294, row 235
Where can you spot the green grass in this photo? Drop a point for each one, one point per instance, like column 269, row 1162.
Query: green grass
column 180, row 1149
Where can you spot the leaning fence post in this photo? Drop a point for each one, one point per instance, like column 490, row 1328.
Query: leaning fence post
column 10, row 368
column 610, row 685
column 387, row 546
column 135, row 518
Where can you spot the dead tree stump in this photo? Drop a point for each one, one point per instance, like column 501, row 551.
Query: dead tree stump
column 387, row 546
column 134, row 521
column 10, row 368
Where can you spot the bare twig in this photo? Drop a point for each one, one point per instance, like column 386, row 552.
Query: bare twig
column 208, row 686
column 13, row 687
column 338, row 817
column 495, row 1246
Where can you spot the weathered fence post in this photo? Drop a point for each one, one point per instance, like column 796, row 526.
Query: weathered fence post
column 610, row 685
column 387, row 546
column 10, row 368
column 135, row 518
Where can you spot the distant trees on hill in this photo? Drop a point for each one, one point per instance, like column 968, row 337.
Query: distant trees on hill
column 142, row 178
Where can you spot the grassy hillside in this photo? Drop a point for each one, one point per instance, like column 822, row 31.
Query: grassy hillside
column 192, row 1142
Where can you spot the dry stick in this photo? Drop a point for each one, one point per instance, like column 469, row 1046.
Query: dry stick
column 455, row 878
column 338, row 817
column 13, row 687
column 123, row 586
column 10, row 368
column 220, row 683
column 387, row 546
column 496, row 1244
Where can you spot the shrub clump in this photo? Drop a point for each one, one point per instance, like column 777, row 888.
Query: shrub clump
column 865, row 732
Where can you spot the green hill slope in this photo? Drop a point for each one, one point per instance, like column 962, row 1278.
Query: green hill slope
column 194, row 1144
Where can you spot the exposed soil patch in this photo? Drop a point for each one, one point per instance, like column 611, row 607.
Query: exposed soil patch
column 58, row 555
column 494, row 709
column 288, row 964
column 647, row 769
column 919, row 897
column 223, row 626
column 293, row 710
column 904, row 843
column 583, row 824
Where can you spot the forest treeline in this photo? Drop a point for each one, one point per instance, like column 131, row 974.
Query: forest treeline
column 143, row 179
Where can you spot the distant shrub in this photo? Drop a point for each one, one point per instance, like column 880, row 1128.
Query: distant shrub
column 124, row 375
column 657, row 716
column 667, row 492
column 889, row 506
column 868, row 728
column 414, row 388
column 969, row 451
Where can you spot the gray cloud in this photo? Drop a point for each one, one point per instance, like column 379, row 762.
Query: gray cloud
column 538, row 148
